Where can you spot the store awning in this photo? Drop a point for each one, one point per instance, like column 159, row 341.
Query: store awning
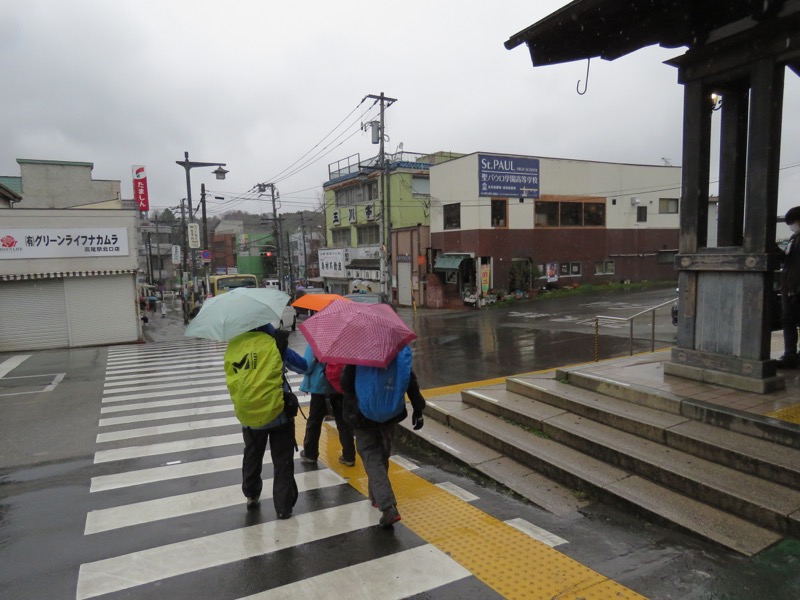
column 449, row 262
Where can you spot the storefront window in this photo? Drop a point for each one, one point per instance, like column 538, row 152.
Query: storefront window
column 570, row 213
column 546, row 214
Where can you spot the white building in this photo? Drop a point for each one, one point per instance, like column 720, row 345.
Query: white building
column 68, row 260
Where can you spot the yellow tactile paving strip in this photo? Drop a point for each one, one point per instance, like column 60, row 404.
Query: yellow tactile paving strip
column 791, row 414
column 510, row 562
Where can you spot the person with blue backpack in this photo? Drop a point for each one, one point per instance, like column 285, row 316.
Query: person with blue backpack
column 374, row 403
column 317, row 385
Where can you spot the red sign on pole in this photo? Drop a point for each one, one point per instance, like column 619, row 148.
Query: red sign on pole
column 140, row 188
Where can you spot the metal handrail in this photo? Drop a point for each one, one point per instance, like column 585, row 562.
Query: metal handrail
column 652, row 310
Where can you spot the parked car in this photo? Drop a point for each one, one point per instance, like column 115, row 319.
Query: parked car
column 304, row 312
column 288, row 318
column 367, row 298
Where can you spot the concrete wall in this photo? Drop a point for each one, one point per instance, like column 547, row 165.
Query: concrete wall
column 59, row 184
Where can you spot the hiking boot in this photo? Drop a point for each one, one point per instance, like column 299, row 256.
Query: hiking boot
column 307, row 459
column 787, row 362
column 253, row 502
column 389, row 518
column 346, row 462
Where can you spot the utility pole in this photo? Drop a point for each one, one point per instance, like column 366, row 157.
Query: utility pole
column 185, row 295
column 386, row 217
column 205, row 232
column 277, row 230
column 149, row 258
column 305, row 257
column 289, row 255
column 160, row 258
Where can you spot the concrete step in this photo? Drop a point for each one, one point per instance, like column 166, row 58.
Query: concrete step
column 584, row 472
column 519, row 478
column 756, row 456
column 757, row 426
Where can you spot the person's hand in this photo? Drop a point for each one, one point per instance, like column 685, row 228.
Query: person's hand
column 416, row 419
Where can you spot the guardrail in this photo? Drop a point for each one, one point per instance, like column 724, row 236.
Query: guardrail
column 652, row 310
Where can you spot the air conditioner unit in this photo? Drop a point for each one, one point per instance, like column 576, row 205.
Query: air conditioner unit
column 634, row 200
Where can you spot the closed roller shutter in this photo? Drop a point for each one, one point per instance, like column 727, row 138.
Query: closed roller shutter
column 33, row 315
column 101, row 310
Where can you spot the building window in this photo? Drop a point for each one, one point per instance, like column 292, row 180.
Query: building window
column 641, row 214
column 668, row 206
column 373, row 190
column 594, row 214
column 570, row 214
column 421, row 186
column 546, row 214
column 499, row 216
column 340, row 237
column 349, row 197
column 452, row 216
column 604, row 267
column 368, row 236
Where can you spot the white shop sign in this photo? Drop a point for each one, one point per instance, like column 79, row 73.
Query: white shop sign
column 45, row 242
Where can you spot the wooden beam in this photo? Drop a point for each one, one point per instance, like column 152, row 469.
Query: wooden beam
column 695, row 174
column 727, row 262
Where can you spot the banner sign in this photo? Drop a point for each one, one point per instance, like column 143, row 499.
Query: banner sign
column 63, row 243
column 508, row 176
column 176, row 254
column 140, row 188
column 194, row 235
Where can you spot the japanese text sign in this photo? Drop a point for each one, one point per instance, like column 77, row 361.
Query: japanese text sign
column 508, row 176
column 63, row 242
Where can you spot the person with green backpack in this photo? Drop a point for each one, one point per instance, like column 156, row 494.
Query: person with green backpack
column 374, row 403
column 254, row 374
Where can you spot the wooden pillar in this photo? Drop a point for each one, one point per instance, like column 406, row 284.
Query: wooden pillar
column 732, row 164
column 694, row 200
column 763, row 156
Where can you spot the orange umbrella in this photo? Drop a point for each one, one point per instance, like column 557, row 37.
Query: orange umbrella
column 317, row 301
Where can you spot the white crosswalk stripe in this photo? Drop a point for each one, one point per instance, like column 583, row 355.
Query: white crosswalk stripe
column 152, row 475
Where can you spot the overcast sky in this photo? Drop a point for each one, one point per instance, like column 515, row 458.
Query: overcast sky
column 274, row 90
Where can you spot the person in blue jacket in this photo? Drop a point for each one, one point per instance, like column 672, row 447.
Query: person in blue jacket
column 316, row 384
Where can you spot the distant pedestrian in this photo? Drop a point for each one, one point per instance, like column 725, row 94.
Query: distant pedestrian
column 790, row 292
column 254, row 374
column 323, row 393
column 370, row 388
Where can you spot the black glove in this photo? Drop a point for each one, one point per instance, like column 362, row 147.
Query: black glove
column 416, row 419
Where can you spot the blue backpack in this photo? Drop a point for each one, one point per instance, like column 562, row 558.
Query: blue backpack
column 382, row 392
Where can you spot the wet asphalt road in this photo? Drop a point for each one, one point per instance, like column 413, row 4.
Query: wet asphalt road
column 47, row 441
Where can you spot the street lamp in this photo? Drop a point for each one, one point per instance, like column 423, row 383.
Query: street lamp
column 220, row 173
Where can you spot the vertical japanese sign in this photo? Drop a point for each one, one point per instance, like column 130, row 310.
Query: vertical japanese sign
column 140, row 188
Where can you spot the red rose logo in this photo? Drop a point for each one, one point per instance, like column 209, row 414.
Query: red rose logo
column 8, row 242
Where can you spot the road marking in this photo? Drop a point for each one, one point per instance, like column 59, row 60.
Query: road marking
column 155, row 384
column 103, row 483
column 57, row 378
column 404, row 463
column 170, row 507
column 146, row 566
column 457, row 491
column 128, row 434
column 12, row 363
column 157, row 394
column 167, row 414
column 165, row 403
column 412, row 571
column 537, row 532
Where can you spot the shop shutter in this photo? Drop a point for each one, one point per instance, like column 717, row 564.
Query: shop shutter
column 34, row 315
column 101, row 310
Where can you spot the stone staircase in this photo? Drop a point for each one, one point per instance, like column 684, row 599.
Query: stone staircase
column 721, row 474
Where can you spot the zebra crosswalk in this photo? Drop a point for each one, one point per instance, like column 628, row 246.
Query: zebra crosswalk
column 168, row 517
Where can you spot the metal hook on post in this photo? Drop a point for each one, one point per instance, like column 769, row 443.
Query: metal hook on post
column 586, row 83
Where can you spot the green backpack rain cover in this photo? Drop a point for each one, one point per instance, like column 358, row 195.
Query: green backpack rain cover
column 253, row 374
